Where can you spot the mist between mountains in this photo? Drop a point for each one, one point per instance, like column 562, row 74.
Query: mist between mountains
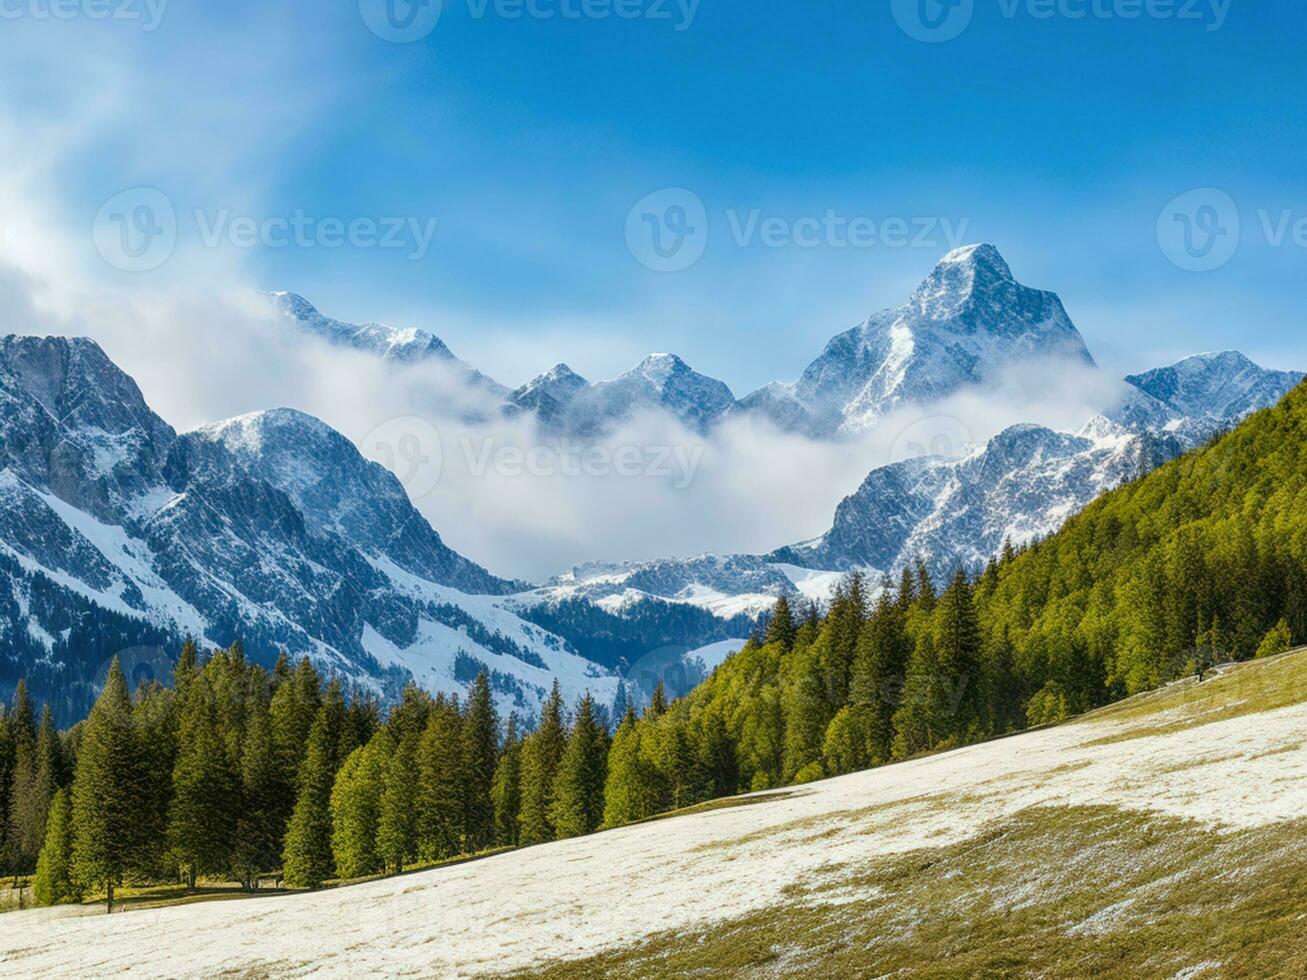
column 412, row 449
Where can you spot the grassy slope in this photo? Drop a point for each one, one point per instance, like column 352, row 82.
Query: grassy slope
column 1064, row 891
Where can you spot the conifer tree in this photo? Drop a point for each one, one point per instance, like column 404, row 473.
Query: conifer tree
column 54, row 882
column 340, row 726
column 1277, row 640
column 880, row 668
column 507, row 789
column 804, row 705
column 6, row 780
column 578, row 803
column 205, row 797
column 356, row 807
column 397, row 828
column 259, row 827
column 848, row 744
column 27, row 800
column 480, row 755
column 1003, row 685
column 631, row 791
column 154, row 715
column 442, row 783
column 294, row 707
column 657, row 702
column 621, row 702
column 408, row 719
column 542, row 751
column 781, row 629
column 958, row 655
column 716, row 765
column 922, row 719
column 107, row 792
column 306, row 857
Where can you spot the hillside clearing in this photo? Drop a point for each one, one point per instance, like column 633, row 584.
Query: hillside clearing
column 1163, row 837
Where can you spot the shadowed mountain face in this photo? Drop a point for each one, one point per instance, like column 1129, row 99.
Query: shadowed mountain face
column 271, row 528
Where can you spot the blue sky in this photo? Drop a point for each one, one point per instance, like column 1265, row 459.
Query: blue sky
column 1060, row 139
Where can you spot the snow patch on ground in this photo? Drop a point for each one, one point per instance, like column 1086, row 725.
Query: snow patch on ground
column 577, row 897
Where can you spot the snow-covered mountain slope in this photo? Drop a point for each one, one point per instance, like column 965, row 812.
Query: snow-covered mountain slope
column 340, row 492
column 270, row 528
column 1062, row 845
column 565, row 402
column 966, row 323
column 957, row 512
column 1223, row 386
column 401, row 346
column 1028, row 480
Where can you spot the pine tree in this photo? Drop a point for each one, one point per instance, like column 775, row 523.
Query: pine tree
column 880, row 668
column 781, row 629
column 632, row 789
column 340, row 726
column 804, row 705
column 27, row 798
column 306, row 857
column 657, row 702
column 923, row 718
column 480, row 755
column 107, row 792
column 542, row 751
column 205, row 797
column 259, row 827
column 294, row 707
column 442, row 783
column 958, row 655
column 847, row 746
column 1277, row 640
column 155, row 717
column 507, row 789
column 186, row 669
column 621, row 702
column 578, row 803
column 6, row 781
column 397, row 829
column 54, row 882
column 356, row 807
column 408, row 719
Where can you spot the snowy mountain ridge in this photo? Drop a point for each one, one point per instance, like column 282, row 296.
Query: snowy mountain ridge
column 115, row 532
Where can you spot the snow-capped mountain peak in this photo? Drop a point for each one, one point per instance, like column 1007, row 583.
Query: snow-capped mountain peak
column 967, row 322
column 1220, row 385
column 408, row 345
